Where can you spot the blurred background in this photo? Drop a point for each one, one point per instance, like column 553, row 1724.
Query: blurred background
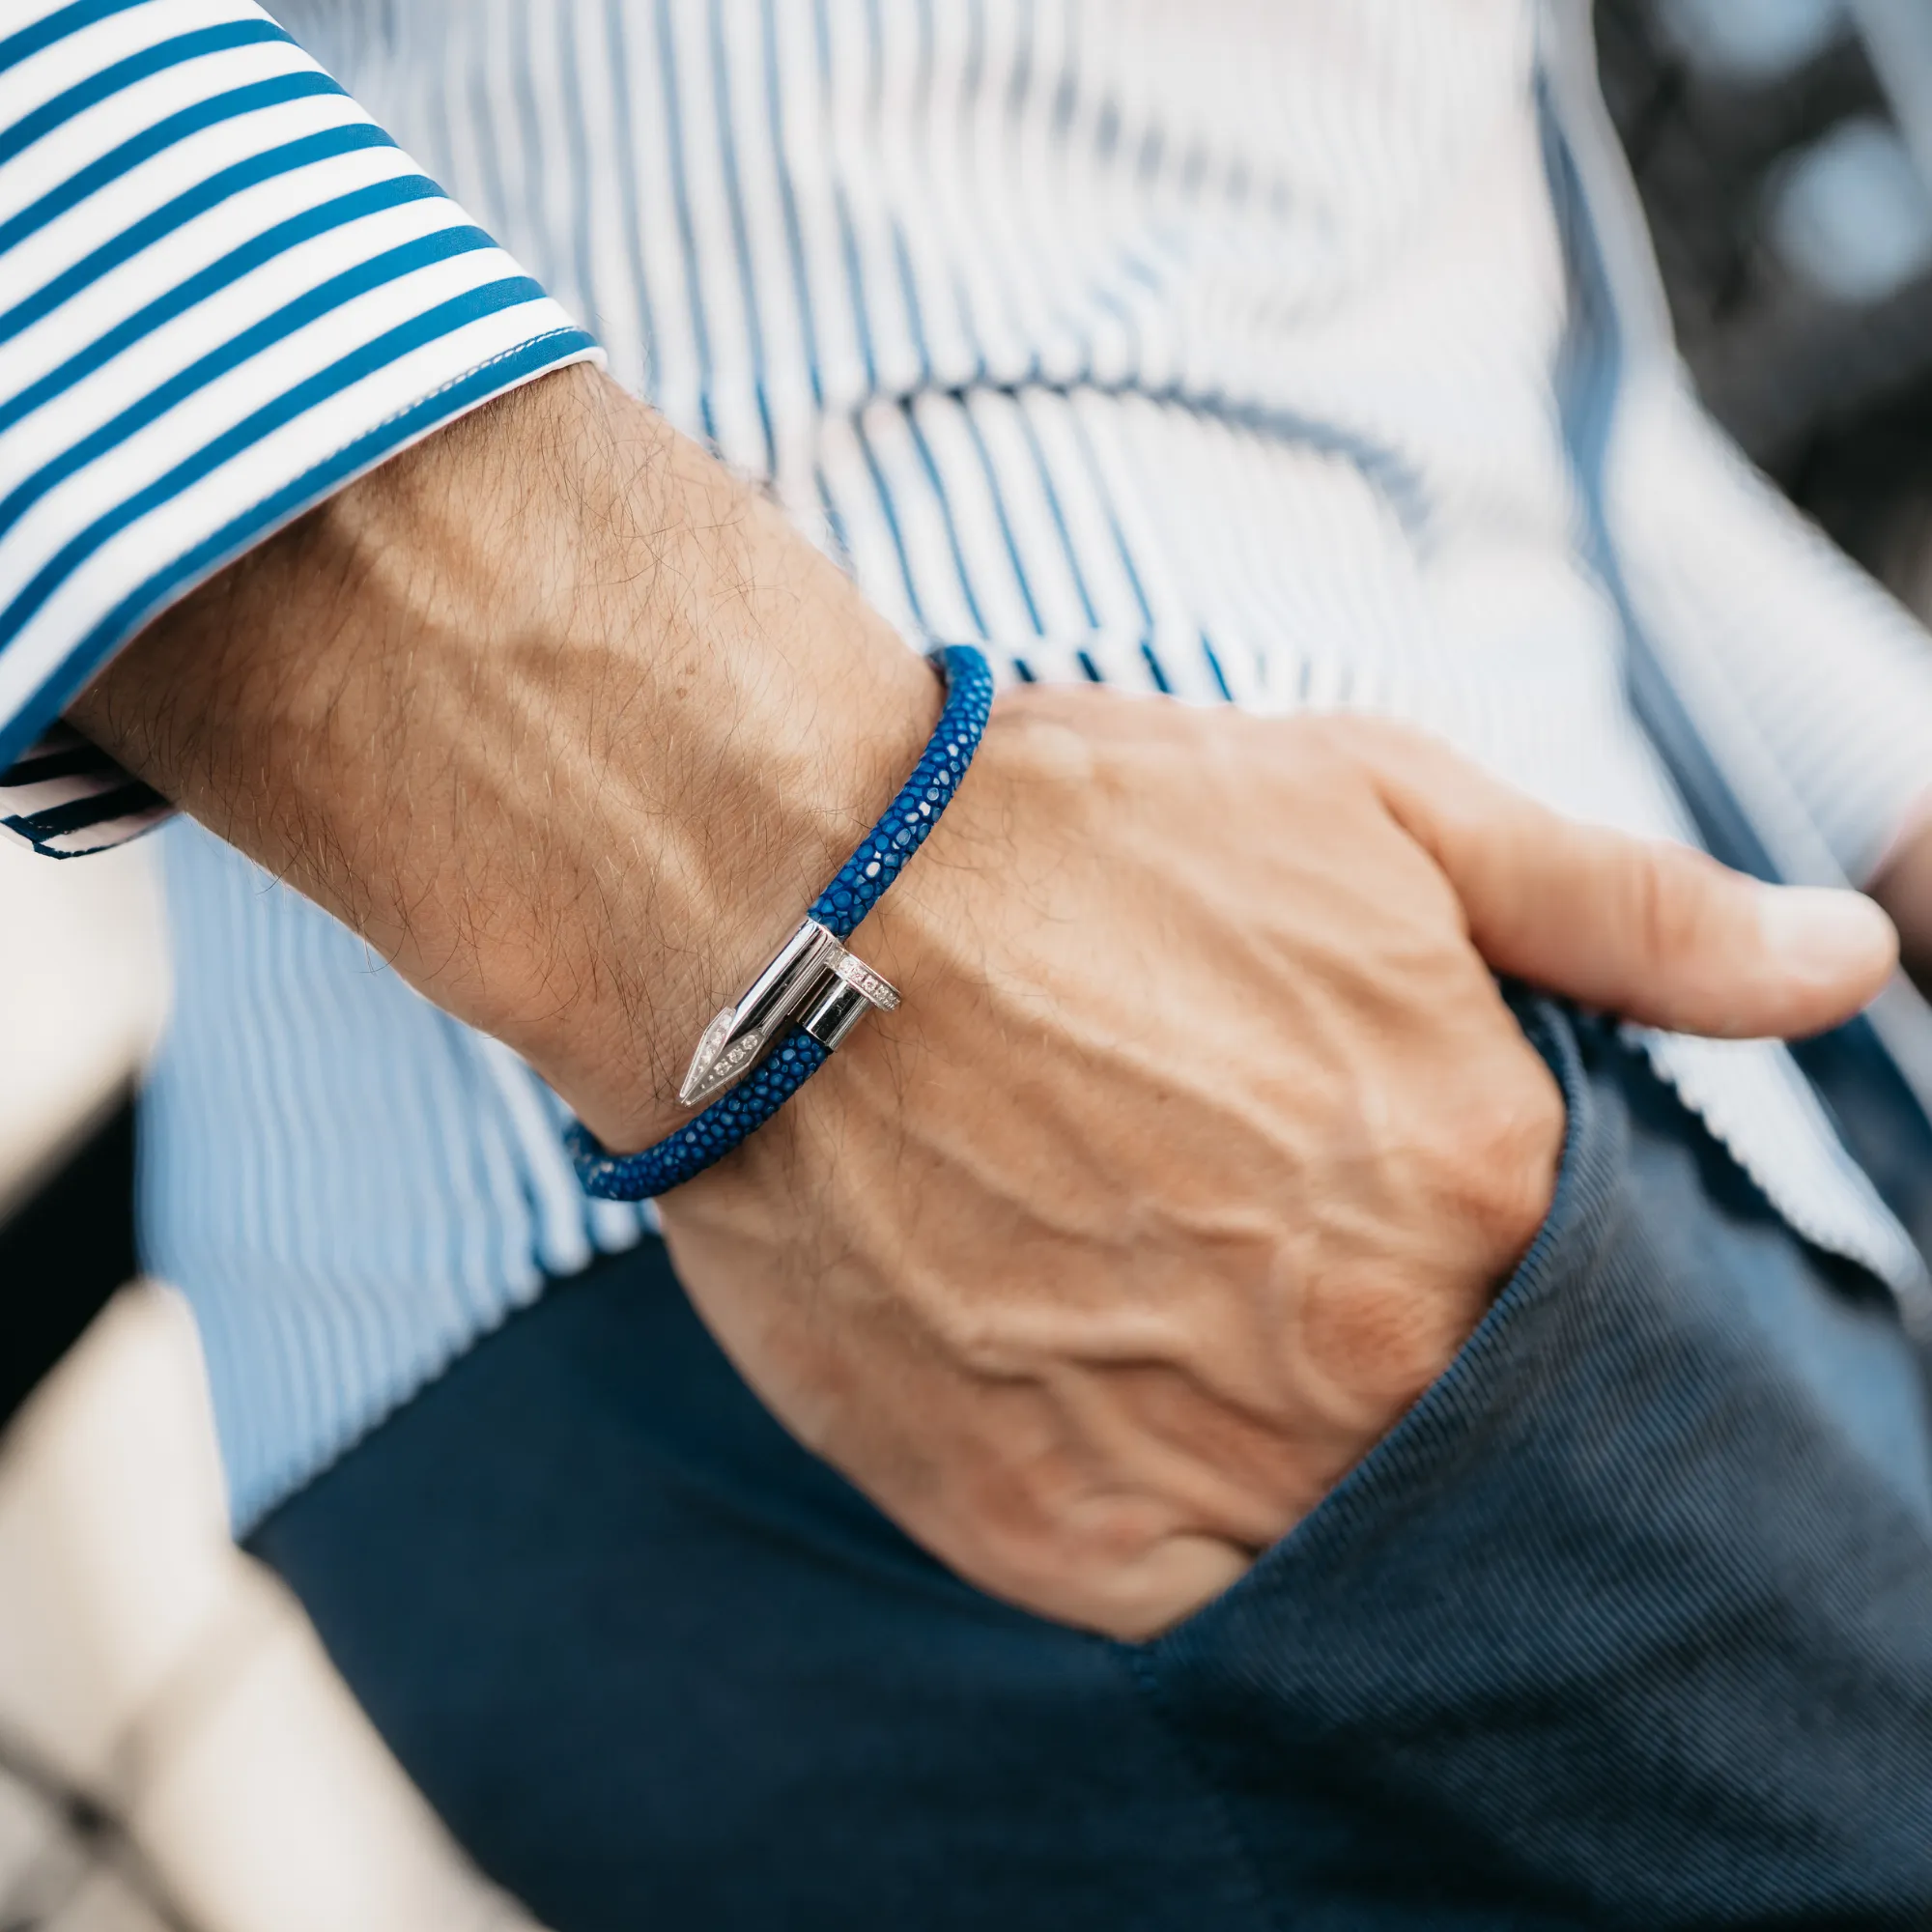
column 174, row 1750
column 1783, row 150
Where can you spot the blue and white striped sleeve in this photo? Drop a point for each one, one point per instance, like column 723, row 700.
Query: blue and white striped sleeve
column 224, row 293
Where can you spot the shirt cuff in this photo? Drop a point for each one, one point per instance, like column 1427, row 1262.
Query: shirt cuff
column 224, row 293
column 67, row 798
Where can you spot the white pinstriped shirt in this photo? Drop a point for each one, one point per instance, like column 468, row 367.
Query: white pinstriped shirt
column 1239, row 349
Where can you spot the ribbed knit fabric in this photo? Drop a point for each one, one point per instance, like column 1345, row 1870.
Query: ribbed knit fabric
column 1202, row 346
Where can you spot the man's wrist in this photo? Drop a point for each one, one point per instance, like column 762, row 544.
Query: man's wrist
column 562, row 720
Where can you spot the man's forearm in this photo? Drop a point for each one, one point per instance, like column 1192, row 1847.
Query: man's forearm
column 561, row 719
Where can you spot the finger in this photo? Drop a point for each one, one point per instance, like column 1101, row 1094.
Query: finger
column 1137, row 1602
column 1643, row 928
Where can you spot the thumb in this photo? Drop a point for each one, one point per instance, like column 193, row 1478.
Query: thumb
column 1643, row 928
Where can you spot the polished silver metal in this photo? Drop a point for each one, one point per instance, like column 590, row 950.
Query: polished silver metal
column 811, row 979
column 835, row 1012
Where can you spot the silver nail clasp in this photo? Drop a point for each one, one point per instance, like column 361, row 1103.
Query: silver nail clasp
column 811, row 979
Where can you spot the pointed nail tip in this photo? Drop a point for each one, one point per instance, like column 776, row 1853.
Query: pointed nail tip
column 710, row 1045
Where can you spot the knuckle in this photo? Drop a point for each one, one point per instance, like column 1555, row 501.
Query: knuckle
column 967, row 1331
column 1378, row 1345
column 1062, row 1553
column 1335, row 738
column 1476, row 1180
column 1332, row 754
column 1366, row 742
column 1666, row 910
column 1508, row 1147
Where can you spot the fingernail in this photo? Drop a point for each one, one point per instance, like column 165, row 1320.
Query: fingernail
column 1823, row 934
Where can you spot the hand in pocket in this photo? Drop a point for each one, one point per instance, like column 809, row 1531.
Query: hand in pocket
column 1203, row 1139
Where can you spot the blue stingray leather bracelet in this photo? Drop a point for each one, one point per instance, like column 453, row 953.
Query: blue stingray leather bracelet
column 758, row 1053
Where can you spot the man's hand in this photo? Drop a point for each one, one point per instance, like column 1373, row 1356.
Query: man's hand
column 1202, row 1138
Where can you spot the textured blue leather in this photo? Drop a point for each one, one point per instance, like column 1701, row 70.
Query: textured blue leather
column 858, row 886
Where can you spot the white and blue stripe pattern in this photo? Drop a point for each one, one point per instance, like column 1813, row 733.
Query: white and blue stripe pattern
column 223, row 290
column 1203, row 346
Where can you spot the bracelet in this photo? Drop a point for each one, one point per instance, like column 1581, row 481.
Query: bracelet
column 758, row 1053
